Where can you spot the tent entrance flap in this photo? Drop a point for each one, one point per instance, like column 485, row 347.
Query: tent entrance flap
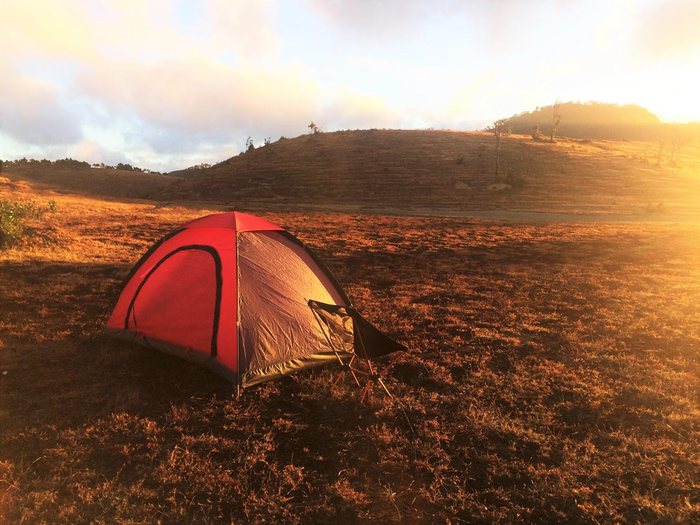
column 351, row 337
column 365, row 341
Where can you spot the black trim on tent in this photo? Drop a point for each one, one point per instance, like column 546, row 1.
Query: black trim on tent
column 140, row 262
column 219, row 285
column 146, row 255
column 319, row 263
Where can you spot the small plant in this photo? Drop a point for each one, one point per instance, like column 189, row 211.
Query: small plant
column 267, row 141
column 249, row 146
column 314, row 128
column 13, row 217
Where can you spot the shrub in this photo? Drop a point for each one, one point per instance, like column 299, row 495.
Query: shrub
column 13, row 219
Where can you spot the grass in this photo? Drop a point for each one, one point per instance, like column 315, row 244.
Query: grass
column 414, row 171
column 83, row 180
column 552, row 377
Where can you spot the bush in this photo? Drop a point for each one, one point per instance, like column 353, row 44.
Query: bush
column 13, row 219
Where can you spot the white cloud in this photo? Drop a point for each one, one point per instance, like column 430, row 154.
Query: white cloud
column 95, row 153
column 380, row 20
column 350, row 110
column 199, row 95
column 30, row 111
column 244, row 27
column 670, row 30
column 45, row 28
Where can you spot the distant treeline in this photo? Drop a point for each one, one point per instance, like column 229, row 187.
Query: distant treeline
column 70, row 163
column 597, row 120
column 192, row 170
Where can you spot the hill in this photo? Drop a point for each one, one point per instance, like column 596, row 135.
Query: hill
column 444, row 171
column 69, row 176
column 592, row 120
column 189, row 172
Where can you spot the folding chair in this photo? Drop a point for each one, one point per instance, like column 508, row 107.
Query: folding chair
column 354, row 340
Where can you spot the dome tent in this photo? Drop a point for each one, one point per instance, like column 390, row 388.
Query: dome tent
column 243, row 297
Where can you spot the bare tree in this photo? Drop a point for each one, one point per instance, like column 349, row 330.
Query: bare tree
column 663, row 142
column 679, row 137
column 556, row 119
column 499, row 128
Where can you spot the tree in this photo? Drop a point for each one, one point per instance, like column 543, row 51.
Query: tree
column 314, row 128
column 499, row 129
column 663, row 141
column 556, row 119
column 249, row 146
column 679, row 137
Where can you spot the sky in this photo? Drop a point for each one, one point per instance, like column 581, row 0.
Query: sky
column 166, row 84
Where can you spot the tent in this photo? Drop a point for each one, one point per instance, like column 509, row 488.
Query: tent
column 243, row 297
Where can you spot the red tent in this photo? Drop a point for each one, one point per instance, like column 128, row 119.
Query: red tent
column 243, row 297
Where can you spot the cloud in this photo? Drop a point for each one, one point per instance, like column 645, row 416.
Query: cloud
column 244, row 27
column 94, row 153
column 670, row 30
column 30, row 111
column 197, row 95
column 383, row 20
column 350, row 110
column 47, row 28
column 387, row 20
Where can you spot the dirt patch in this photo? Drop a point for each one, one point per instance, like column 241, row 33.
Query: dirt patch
column 498, row 187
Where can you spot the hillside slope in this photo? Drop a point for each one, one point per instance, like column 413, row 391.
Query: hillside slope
column 83, row 180
column 411, row 171
column 592, row 120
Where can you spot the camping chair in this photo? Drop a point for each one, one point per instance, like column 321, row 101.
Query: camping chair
column 354, row 340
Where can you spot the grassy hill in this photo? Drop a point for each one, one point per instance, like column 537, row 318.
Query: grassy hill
column 412, row 171
column 79, row 178
column 592, row 120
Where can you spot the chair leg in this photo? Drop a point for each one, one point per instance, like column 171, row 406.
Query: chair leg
column 379, row 380
column 337, row 380
column 365, row 391
column 354, row 376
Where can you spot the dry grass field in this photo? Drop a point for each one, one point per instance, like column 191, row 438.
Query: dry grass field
column 413, row 171
column 108, row 183
column 553, row 376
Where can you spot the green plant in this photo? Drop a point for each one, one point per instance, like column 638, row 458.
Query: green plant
column 13, row 217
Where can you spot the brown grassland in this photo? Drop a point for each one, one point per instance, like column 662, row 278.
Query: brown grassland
column 416, row 171
column 553, row 376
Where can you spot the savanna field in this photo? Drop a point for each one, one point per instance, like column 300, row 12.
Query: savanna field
column 553, row 376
